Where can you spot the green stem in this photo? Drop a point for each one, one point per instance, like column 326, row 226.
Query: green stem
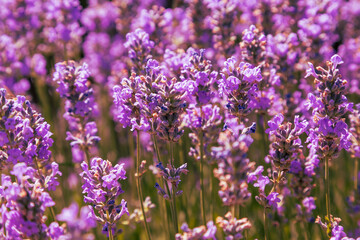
column 212, row 192
column 327, row 193
column 110, row 228
column 156, row 148
column 327, row 182
column 138, row 183
column 265, row 225
column 162, row 200
column 356, row 174
column 173, row 191
column 202, row 192
column 175, row 212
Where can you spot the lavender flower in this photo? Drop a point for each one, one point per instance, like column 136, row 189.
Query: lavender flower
column 137, row 215
column 233, row 228
column 286, row 144
column 233, row 166
column 198, row 233
column 23, row 206
column 172, row 177
column 80, row 106
column 329, row 107
column 102, row 187
column 25, row 138
column 207, row 124
column 77, row 227
column 355, row 132
column 199, row 77
column 239, row 86
column 128, row 111
column 139, row 47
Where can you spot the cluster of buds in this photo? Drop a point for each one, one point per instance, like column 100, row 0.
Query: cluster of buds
column 238, row 84
column 224, row 16
column 102, row 187
column 137, row 216
column 233, row 165
column 355, row 131
column 253, row 46
column 23, row 206
column 24, row 134
column 233, row 228
column 80, row 106
column 329, row 106
column 198, row 233
column 199, row 77
column 139, row 48
column 270, row 200
column 286, row 144
column 127, row 107
column 171, row 175
column 205, row 121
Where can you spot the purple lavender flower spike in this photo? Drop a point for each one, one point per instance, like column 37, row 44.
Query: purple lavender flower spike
column 172, row 177
column 233, row 228
column 101, row 188
column 23, row 207
column 139, row 48
column 198, row 233
column 239, row 86
column 80, row 106
column 233, row 165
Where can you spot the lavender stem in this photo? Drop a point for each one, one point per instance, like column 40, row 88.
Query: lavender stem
column 138, row 183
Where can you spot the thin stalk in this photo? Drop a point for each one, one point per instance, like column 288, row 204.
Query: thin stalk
column 233, row 211
column 327, row 184
column 172, row 154
column 156, row 148
column 173, row 191
column 110, row 228
column 175, row 212
column 356, row 174
column 65, row 53
column 265, row 227
column 307, row 237
column 212, row 192
column 202, row 192
column 138, row 183
column 162, row 200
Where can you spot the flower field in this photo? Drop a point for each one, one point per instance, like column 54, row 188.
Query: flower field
column 179, row 119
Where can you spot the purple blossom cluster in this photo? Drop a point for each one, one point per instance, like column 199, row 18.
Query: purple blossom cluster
column 80, row 107
column 233, row 165
column 329, row 106
column 25, row 142
column 102, row 188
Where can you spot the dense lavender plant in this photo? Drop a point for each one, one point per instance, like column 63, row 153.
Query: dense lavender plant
column 198, row 77
column 286, row 145
column 329, row 106
column 23, row 205
column 233, row 164
column 80, row 107
column 139, row 49
column 238, row 84
column 254, row 51
column 25, row 137
column 102, row 188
